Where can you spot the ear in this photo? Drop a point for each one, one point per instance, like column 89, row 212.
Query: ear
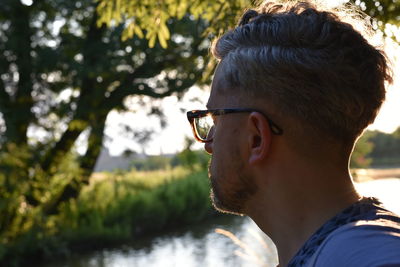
column 259, row 138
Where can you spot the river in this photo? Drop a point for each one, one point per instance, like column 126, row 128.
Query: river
column 227, row 241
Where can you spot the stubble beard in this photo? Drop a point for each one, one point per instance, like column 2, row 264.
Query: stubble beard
column 231, row 196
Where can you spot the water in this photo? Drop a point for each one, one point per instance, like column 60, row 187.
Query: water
column 386, row 190
column 201, row 246
column 198, row 245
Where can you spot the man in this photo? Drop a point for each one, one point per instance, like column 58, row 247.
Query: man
column 294, row 89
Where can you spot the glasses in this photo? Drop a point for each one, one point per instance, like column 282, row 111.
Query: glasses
column 202, row 122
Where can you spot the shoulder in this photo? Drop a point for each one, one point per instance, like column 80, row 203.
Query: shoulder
column 363, row 243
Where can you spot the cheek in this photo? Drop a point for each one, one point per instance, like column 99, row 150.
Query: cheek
column 227, row 145
column 225, row 160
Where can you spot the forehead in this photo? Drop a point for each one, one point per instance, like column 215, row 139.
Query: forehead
column 223, row 95
column 220, row 93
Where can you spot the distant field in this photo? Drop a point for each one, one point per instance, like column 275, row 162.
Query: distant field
column 157, row 177
column 148, row 179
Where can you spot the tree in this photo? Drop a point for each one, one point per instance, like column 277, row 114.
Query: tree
column 386, row 148
column 379, row 148
column 385, row 11
column 153, row 16
column 66, row 64
column 385, row 16
column 220, row 15
column 62, row 72
column 360, row 156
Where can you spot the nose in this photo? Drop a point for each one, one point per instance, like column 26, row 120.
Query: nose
column 208, row 147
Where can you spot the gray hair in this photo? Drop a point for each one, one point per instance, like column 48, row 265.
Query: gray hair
column 309, row 64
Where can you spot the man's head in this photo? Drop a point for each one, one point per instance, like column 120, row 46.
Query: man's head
column 313, row 74
column 307, row 65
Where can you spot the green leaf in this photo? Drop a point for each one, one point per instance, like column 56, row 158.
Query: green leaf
column 165, row 31
column 152, row 40
column 162, row 40
column 138, row 31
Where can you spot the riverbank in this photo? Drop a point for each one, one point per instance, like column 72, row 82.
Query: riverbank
column 113, row 209
column 201, row 245
column 365, row 175
column 117, row 208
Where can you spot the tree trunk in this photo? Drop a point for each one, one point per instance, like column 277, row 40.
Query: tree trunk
column 54, row 156
column 87, row 163
column 18, row 115
column 90, row 96
column 95, row 144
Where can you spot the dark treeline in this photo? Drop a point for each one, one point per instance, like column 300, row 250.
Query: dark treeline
column 385, row 150
column 377, row 149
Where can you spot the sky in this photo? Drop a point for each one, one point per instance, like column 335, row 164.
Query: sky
column 388, row 118
column 171, row 138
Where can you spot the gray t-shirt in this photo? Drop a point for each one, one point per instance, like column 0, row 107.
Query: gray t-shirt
column 360, row 244
column 363, row 234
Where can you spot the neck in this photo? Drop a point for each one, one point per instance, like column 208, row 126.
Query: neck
column 297, row 202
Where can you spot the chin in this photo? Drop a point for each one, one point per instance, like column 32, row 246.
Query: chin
column 225, row 206
column 230, row 191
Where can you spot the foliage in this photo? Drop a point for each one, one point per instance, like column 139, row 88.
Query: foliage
column 377, row 149
column 360, row 156
column 385, row 16
column 115, row 208
column 190, row 158
column 61, row 75
column 25, row 192
column 62, row 71
column 149, row 19
column 386, row 150
column 386, row 11
column 151, row 163
column 187, row 158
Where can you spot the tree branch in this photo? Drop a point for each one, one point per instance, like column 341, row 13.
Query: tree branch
column 95, row 143
column 86, row 163
column 55, row 155
column 89, row 98
column 128, row 86
column 4, row 98
column 22, row 115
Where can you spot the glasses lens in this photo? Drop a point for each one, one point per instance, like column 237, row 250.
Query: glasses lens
column 203, row 126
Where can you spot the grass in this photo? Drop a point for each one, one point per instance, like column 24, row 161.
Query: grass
column 124, row 205
column 117, row 207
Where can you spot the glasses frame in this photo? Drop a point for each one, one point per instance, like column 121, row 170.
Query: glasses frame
column 195, row 114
